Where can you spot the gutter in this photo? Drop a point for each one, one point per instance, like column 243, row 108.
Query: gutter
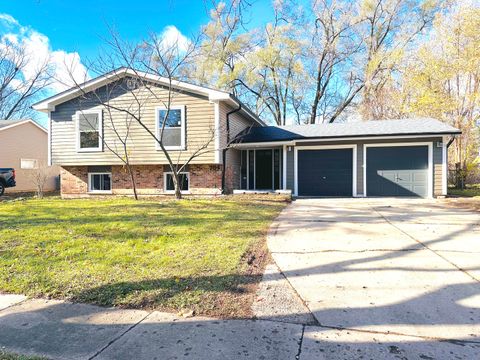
column 224, row 152
column 296, row 141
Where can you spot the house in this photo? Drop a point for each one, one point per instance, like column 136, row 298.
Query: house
column 24, row 147
column 240, row 153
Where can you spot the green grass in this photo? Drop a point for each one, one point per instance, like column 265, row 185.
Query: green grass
column 10, row 356
column 188, row 254
column 469, row 191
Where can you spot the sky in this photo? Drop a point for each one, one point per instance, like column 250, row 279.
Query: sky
column 72, row 32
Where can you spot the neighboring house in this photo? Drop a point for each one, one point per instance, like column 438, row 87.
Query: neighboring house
column 24, row 147
column 375, row 158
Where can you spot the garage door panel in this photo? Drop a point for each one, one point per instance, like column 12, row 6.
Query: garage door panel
column 397, row 171
column 325, row 172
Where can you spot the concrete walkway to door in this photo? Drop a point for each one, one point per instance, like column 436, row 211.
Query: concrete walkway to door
column 383, row 277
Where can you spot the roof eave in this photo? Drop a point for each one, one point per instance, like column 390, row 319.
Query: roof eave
column 289, row 141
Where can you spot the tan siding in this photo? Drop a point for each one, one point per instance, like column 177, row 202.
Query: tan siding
column 199, row 118
column 26, row 141
column 437, row 168
column 238, row 123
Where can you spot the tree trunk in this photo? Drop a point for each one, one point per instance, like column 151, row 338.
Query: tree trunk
column 132, row 179
column 176, row 183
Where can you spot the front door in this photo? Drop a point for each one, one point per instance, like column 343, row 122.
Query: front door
column 263, row 170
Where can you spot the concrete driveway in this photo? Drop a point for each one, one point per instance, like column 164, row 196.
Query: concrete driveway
column 402, row 272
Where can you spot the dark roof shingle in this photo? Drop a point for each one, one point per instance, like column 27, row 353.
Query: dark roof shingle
column 419, row 126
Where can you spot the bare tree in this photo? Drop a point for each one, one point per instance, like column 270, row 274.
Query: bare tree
column 151, row 67
column 39, row 176
column 20, row 82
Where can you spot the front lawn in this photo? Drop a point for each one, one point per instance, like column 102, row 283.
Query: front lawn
column 202, row 255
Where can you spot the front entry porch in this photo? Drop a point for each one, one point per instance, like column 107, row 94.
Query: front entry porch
column 261, row 170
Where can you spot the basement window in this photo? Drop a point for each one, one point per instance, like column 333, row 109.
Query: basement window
column 184, row 179
column 100, row 183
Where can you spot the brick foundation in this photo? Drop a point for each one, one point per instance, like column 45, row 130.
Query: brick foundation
column 204, row 180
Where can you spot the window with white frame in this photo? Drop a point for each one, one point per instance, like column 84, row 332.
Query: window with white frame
column 28, row 163
column 100, row 182
column 89, row 129
column 183, row 178
column 173, row 137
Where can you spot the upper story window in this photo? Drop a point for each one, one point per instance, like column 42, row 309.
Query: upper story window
column 174, row 130
column 89, row 130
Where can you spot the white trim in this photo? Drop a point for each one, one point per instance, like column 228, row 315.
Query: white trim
column 173, row 191
column 295, row 172
column 328, row 147
column 320, row 140
column 255, row 168
column 444, row 166
column 49, row 139
column 284, row 168
column 364, row 168
column 218, row 133
column 21, row 123
column 248, row 169
column 99, row 113
column 183, row 129
column 89, row 189
column 354, row 171
column 430, row 184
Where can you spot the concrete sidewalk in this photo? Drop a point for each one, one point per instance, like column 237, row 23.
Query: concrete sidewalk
column 62, row 330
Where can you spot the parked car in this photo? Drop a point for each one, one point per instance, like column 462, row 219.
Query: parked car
column 7, row 179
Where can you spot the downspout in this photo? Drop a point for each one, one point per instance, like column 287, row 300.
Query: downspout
column 452, row 139
column 224, row 152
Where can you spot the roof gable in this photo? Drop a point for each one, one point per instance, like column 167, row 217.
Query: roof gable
column 213, row 95
column 8, row 124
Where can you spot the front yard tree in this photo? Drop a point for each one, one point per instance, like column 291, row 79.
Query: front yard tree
column 164, row 60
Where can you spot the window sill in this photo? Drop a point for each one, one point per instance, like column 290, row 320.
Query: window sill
column 171, row 192
column 96, row 192
column 175, row 148
column 89, row 150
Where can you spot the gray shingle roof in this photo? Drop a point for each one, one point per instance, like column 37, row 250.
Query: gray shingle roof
column 407, row 127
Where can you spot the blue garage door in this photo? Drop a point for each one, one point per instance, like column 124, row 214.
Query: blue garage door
column 397, row 171
column 325, row 172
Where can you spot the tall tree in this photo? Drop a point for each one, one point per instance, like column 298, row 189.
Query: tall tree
column 21, row 83
column 388, row 28
column 274, row 74
column 441, row 79
column 225, row 43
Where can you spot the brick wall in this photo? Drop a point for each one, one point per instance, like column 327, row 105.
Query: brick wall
column 204, row 180
column 73, row 180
